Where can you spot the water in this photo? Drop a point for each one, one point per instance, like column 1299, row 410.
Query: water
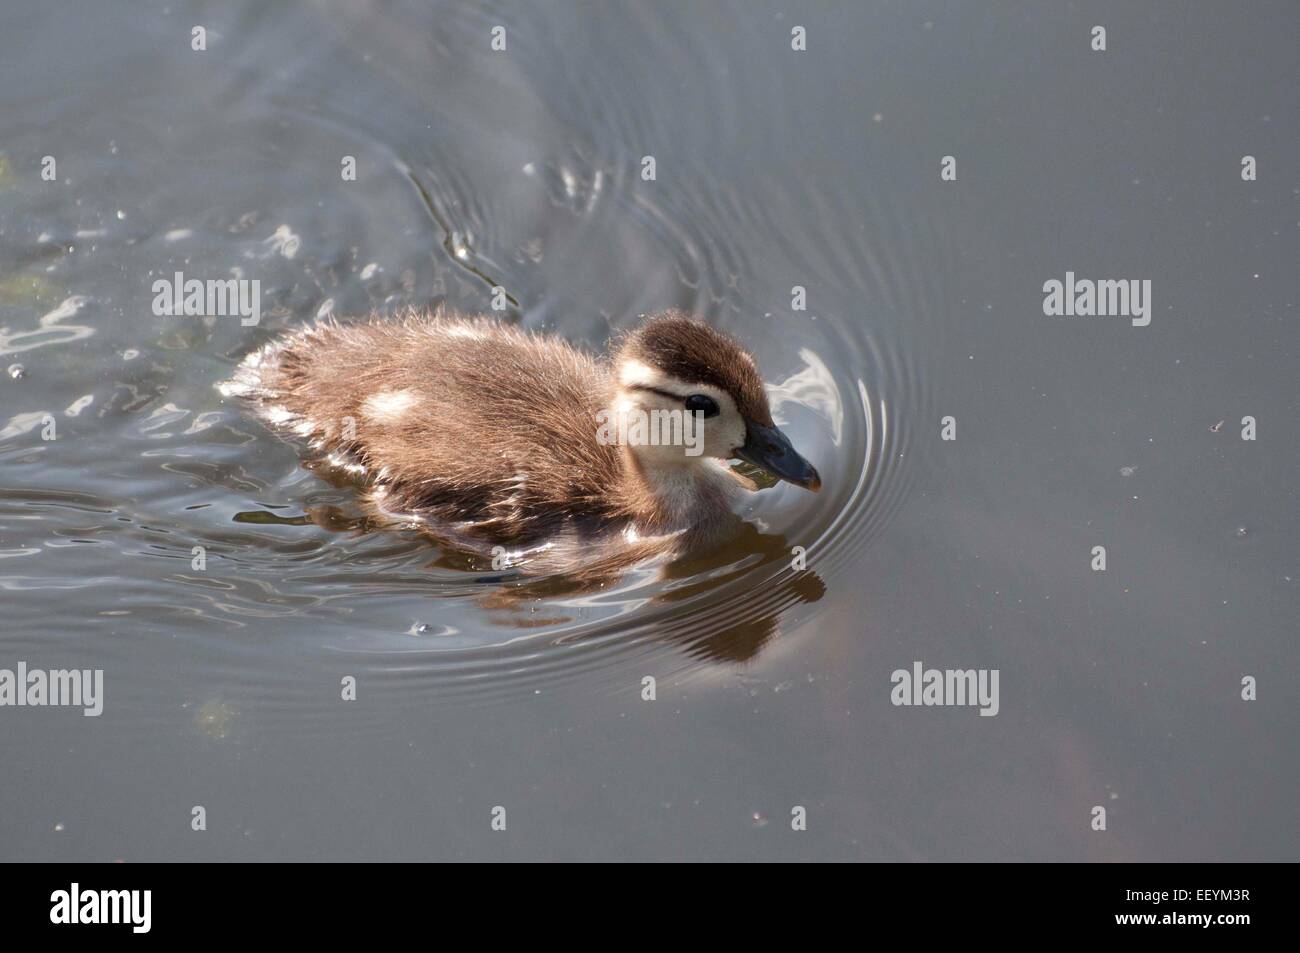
column 522, row 169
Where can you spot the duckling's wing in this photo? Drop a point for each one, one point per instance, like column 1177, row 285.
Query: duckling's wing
column 465, row 419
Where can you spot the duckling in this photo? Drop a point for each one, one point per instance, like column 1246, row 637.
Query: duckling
column 491, row 436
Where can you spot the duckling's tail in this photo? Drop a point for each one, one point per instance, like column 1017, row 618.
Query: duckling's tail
column 250, row 380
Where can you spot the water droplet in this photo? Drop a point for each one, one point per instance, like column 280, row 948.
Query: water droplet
column 17, row 371
column 58, row 827
column 1127, row 471
column 758, row 819
column 1241, row 532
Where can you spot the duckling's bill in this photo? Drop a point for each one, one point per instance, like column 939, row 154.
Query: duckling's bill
column 767, row 448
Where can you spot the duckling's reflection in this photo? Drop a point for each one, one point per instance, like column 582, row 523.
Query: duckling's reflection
column 742, row 639
column 513, row 598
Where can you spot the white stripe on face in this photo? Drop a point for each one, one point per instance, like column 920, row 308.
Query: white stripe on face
column 635, row 374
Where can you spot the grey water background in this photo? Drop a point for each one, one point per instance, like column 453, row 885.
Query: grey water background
column 774, row 168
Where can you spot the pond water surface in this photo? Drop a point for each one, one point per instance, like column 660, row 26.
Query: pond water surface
column 522, row 168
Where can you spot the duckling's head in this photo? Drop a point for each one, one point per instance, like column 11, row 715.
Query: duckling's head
column 675, row 372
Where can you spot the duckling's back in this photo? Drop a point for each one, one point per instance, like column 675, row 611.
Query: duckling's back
column 464, row 421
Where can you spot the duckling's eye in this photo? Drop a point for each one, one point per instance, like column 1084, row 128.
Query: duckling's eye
column 702, row 403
